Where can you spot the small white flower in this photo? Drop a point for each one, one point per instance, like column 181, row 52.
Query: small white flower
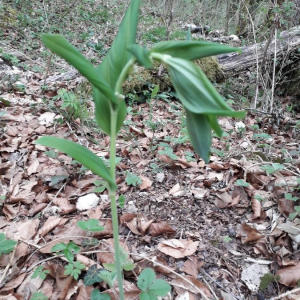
column 239, row 125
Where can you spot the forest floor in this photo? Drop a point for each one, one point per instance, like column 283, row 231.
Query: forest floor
column 222, row 226
column 215, row 228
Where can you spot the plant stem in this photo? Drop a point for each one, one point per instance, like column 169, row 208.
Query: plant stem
column 113, row 204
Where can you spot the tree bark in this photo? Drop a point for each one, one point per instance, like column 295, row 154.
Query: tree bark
column 234, row 63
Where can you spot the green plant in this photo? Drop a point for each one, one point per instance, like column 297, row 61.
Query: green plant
column 38, row 296
column 39, row 272
column 6, row 246
column 74, row 269
column 241, row 182
column 91, row 225
column 201, row 102
column 67, row 250
column 293, row 215
column 133, row 179
column 273, row 168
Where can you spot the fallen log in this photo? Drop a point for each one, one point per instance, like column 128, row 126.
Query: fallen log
column 234, row 63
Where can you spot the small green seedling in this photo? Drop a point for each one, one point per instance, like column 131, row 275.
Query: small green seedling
column 241, row 182
column 289, row 196
column 227, row 239
column 169, row 152
column 121, row 201
column 38, row 296
column 259, row 197
column 94, row 275
column 201, row 102
column 151, row 287
column 293, row 215
column 6, row 246
column 68, row 250
column 273, row 168
column 96, row 295
column 133, row 179
column 74, row 269
column 91, row 225
column 40, row 272
column 266, row 280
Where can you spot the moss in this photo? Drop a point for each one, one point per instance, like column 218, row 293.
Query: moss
column 145, row 77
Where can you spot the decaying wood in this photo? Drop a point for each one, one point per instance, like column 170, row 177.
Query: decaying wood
column 234, row 63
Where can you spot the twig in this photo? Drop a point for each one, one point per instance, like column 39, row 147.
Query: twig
column 7, row 267
column 286, row 294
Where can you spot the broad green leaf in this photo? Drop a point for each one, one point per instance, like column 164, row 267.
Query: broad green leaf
column 241, row 182
column 289, row 196
column 142, row 55
column 160, row 288
column 147, row 296
column 64, row 49
column 112, row 66
column 154, row 91
column 103, row 112
column 199, row 131
column 6, row 246
column 270, row 169
column 59, row 247
column 68, row 255
column 121, row 201
column 91, row 225
column 92, row 275
column 266, row 280
column 81, row 154
column 196, row 92
column 146, row 279
column 96, row 295
column 191, row 50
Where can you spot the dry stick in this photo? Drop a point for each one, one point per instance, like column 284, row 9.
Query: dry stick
column 257, row 63
column 7, row 267
column 285, row 294
column 274, row 70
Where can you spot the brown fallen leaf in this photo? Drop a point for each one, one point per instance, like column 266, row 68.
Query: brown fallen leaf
column 178, row 248
column 176, row 188
column 181, row 286
column 289, row 276
column 256, row 207
column 286, row 207
column 223, row 200
column 49, row 225
column 161, row 228
column 190, row 266
column 146, row 183
column 248, row 234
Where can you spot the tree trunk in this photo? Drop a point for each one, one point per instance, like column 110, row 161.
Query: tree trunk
column 234, row 63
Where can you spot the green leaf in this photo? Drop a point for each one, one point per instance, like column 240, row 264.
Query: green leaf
column 142, row 55
column 275, row 167
column 38, row 296
column 64, row 49
column 160, row 288
column 59, row 247
column 151, row 287
column 146, row 279
column 199, row 131
column 191, row 50
column 57, row 179
column 39, row 272
column 112, row 66
column 154, row 91
column 289, row 196
column 92, row 275
column 121, row 201
column 81, row 154
column 132, row 179
column 108, row 277
column 91, row 225
column 68, row 255
column 196, row 92
column 96, row 295
column 241, row 182
column 266, row 280
column 6, row 246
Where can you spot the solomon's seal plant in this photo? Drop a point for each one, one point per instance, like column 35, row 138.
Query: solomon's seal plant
column 201, row 102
